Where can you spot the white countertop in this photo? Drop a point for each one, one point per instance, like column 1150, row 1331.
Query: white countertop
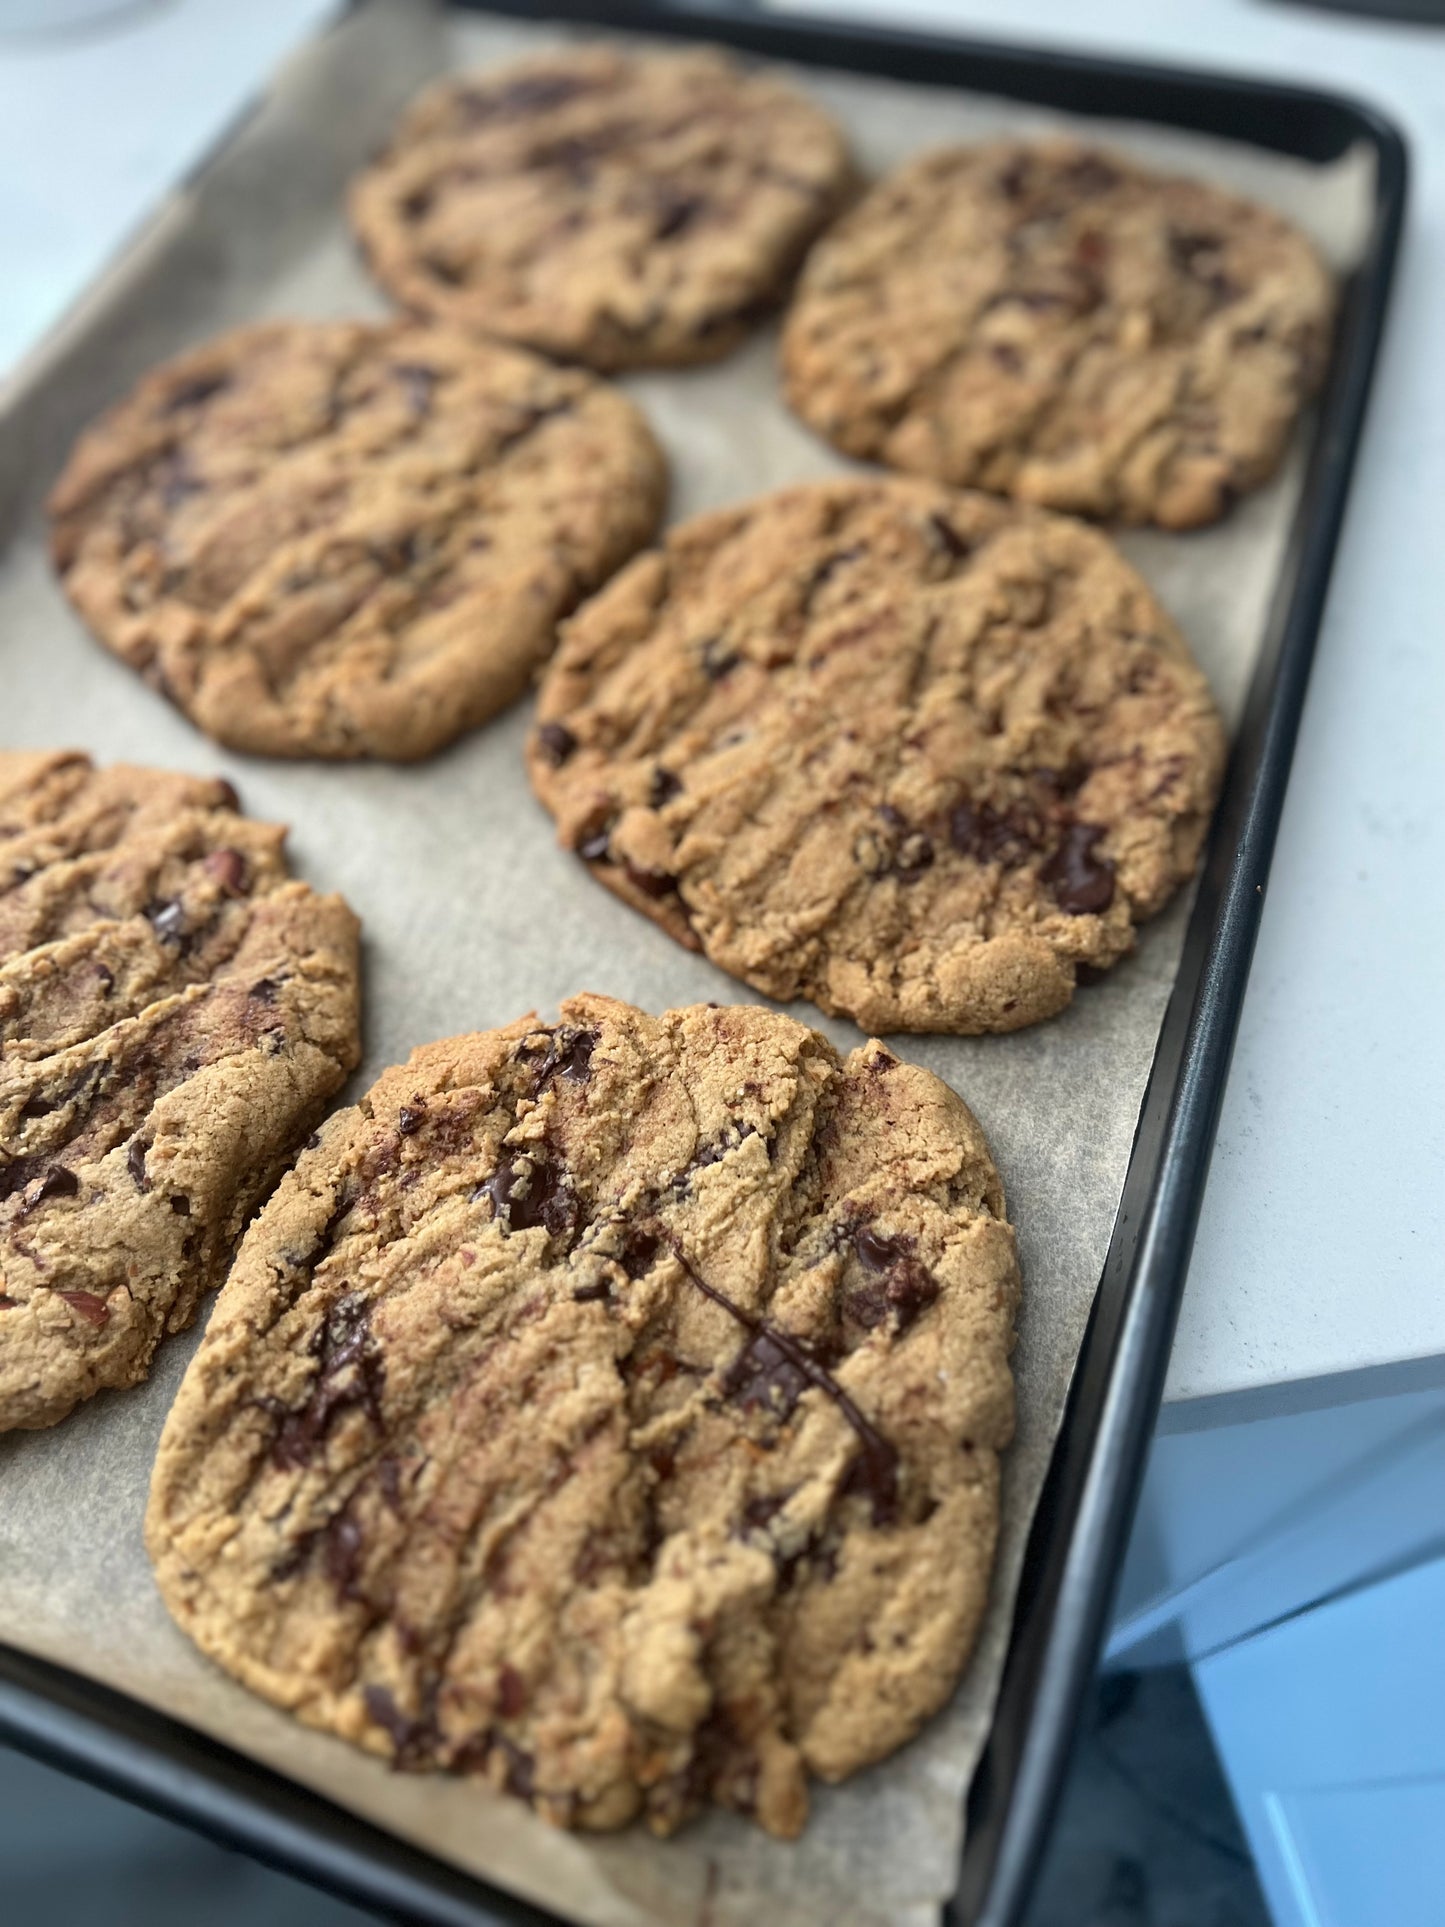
column 1320, row 1247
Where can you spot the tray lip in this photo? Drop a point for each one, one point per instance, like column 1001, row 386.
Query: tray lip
column 171, row 1768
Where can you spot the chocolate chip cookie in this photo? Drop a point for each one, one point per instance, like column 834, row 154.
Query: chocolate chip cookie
column 1057, row 324
column 336, row 539
column 174, row 1013
column 611, row 1410
column 919, row 756
column 625, row 210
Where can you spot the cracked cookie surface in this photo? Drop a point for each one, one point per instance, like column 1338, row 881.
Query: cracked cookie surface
column 611, row 1410
column 174, row 1012
column 619, row 209
column 916, row 755
column 1057, row 324
column 337, row 539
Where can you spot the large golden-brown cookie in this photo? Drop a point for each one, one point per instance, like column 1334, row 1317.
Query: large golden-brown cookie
column 174, row 1013
column 919, row 756
column 1060, row 325
column 625, row 210
column 337, row 539
column 612, row 1410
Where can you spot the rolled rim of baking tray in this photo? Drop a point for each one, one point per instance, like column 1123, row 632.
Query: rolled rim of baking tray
column 1084, row 1513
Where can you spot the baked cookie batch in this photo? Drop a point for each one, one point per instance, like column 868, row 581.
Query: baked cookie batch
column 612, row 1409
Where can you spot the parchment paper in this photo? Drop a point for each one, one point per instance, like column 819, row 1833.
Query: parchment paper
column 473, row 916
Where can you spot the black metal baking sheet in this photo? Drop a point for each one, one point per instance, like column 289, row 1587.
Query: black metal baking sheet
column 1083, row 1519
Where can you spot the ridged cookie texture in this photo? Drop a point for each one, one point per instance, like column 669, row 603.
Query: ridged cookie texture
column 620, row 209
column 174, row 1013
column 337, row 539
column 1061, row 325
column 610, row 1409
column 920, row 756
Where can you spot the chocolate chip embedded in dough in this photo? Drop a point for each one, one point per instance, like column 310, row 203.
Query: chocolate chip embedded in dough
column 1081, row 879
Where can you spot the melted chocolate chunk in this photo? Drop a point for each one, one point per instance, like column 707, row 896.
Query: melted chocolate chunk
column 639, row 1249
column 180, row 1204
column 569, row 1055
column 135, row 1162
column 399, row 553
column 511, row 1692
column 759, row 1510
column 533, row 1190
column 903, row 1285
column 896, row 849
column 714, row 1152
column 723, row 1768
column 82, row 1084
column 519, row 1775
column 229, row 869
column 351, row 1373
column 168, row 919
column 906, row 1292
column 718, row 658
column 953, row 543
column 873, row 1476
column 875, row 1471
column 58, row 1182
column 652, row 883
column 877, row 1250
column 665, row 785
column 979, row 830
column 915, row 855
column 766, row 1375
column 264, row 990
column 592, row 1294
column 1060, row 783
column 410, row 1118
column 829, row 567
column 595, row 848
column 556, row 743
column 95, row 1311
column 413, row 1739
column 675, row 212
column 1081, row 880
